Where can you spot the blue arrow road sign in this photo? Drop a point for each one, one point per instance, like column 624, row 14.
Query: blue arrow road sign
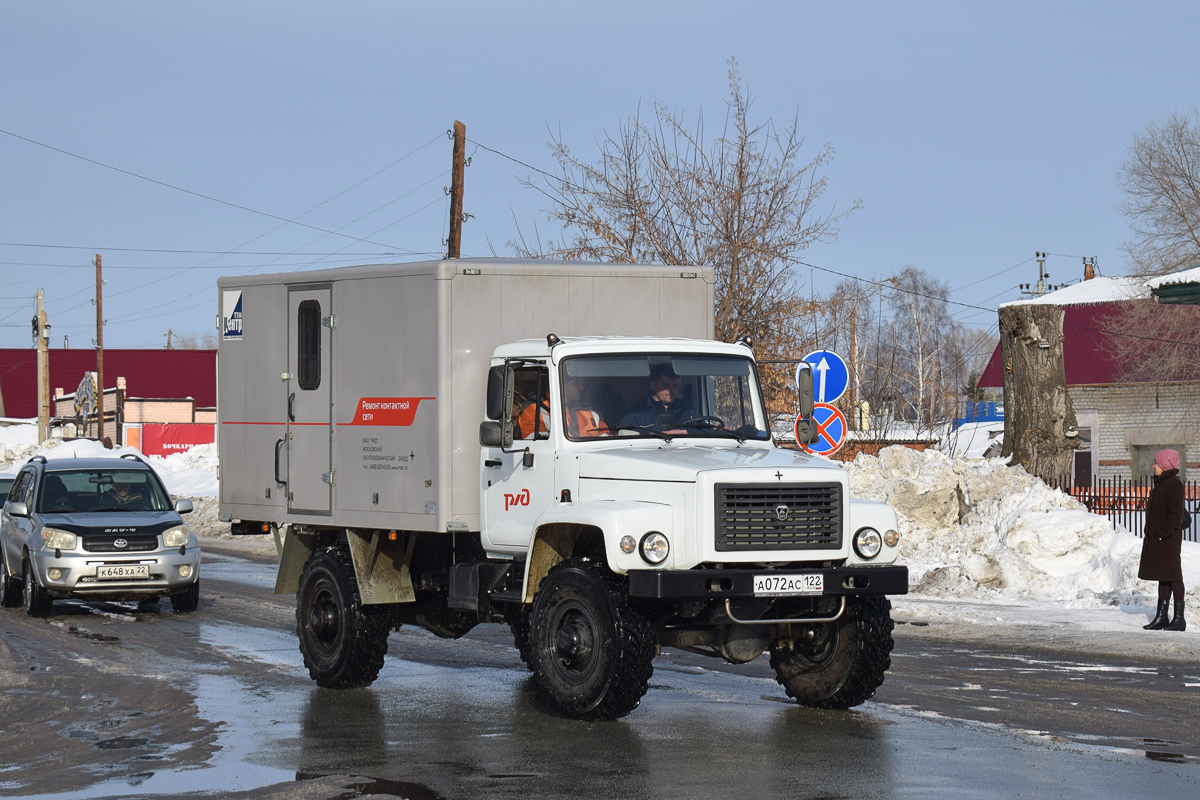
column 831, row 430
column 830, row 375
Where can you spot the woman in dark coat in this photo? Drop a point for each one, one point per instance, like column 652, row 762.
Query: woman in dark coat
column 1163, row 539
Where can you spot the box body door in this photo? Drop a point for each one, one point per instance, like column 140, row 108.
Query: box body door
column 309, row 388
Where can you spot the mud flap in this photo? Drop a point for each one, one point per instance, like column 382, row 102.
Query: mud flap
column 381, row 567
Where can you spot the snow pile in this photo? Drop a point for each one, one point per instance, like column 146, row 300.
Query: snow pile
column 986, row 531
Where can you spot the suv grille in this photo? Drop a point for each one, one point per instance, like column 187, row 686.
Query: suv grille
column 136, row 543
column 766, row 516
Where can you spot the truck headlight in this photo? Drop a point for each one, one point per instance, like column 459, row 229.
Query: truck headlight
column 655, row 548
column 176, row 537
column 867, row 543
column 59, row 540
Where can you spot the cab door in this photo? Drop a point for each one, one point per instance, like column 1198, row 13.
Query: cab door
column 518, row 485
column 309, row 388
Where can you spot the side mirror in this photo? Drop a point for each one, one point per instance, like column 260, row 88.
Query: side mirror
column 500, row 392
column 17, row 509
column 804, row 389
column 806, row 431
column 496, row 434
column 183, row 506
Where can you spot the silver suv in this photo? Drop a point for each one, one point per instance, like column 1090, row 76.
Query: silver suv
column 95, row 528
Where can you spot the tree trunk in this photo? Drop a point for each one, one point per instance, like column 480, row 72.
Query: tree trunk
column 1037, row 410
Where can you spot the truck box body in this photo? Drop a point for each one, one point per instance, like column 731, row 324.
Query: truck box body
column 353, row 396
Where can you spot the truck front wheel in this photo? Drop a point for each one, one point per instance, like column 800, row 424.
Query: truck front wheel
column 842, row 663
column 343, row 641
column 591, row 653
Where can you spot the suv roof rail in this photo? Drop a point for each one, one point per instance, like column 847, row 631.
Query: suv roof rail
column 38, row 458
column 133, row 456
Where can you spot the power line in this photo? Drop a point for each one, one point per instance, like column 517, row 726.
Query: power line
column 186, row 191
column 93, row 248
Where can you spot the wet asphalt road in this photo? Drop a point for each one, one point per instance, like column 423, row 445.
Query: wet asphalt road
column 109, row 700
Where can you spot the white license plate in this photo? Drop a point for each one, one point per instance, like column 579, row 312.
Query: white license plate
column 788, row 585
column 122, row 572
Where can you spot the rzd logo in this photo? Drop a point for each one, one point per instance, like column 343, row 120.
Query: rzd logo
column 519, row 499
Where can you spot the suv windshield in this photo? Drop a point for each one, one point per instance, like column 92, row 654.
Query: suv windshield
column 82, row 490
column 662, row 395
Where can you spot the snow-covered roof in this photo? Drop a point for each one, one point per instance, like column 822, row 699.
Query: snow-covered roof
column 1183, row 276
column 1097, row 290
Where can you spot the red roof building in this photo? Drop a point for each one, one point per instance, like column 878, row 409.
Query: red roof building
column 147, row 373
column 1123, row 421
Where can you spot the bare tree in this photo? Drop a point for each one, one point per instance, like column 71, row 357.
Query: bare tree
column 747, row 205
column 196, row 341
column 1161, row 179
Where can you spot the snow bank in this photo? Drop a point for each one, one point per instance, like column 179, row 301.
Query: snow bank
column 986, row 531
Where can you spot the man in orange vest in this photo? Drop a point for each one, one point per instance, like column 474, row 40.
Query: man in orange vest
column 582, row 421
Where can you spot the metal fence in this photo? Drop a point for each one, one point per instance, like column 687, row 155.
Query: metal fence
column 1123, row 501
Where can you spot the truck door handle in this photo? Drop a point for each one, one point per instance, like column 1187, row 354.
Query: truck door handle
column 278, row 449
column 291, row 399
column 492, row 462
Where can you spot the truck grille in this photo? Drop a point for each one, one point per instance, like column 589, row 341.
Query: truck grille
column 133, row 543
column 765, row 516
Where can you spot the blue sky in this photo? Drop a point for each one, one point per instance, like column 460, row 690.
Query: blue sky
column 974, row 134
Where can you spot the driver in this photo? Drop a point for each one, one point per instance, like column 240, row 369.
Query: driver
column 662, row 409
column 123, row 495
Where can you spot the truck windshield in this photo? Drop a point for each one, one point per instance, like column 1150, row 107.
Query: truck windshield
column 83, row 490
column 663, row 395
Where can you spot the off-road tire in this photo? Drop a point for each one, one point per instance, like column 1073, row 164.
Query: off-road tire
column 37, row 602
column 591, row 653
column 187, row 602
column 343, row 641
column 10, row 587
column 846, row 662
column 518, row 623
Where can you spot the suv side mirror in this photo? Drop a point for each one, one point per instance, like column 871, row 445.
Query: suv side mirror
column 16, row 508
column 496, row 434
column 500, row 392
column 183, row 506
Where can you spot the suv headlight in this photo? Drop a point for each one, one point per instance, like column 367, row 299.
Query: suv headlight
column 655, row 548
column 176, row 537
column 59, row 540
column 867, row 543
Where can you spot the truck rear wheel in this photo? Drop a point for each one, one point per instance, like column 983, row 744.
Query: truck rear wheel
column 343, row 641
column 844, row 662
column 591, row 653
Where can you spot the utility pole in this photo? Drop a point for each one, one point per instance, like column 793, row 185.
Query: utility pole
column 168, row 338
column 853, row 367
column 41, row 330
column 454, row 242
column 99, row 349
column 1042, row 287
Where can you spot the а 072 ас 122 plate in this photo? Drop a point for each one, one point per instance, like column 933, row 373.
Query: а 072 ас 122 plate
column 788, row 585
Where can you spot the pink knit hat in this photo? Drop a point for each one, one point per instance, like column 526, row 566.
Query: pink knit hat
column 1167, row 459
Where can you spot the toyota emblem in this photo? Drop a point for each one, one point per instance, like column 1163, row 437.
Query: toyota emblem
column 782, row 512
column 121, row 544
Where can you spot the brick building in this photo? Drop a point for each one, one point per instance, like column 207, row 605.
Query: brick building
column 1123, row 422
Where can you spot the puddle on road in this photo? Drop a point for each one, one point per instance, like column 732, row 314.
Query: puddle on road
column 249, row 719
column 261, row 645
column 238, row 570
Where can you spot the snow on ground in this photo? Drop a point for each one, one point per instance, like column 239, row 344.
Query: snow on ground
column 980, row 530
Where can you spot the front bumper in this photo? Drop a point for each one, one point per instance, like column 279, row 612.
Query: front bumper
column 79, row 573
column 722, row 583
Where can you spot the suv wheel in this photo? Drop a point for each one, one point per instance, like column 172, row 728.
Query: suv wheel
column 37, row 602
column 187, row 602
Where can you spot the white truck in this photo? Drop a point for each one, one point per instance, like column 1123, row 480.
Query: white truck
column 561, row 447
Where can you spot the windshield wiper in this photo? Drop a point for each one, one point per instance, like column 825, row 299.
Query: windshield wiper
column 639, row 428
